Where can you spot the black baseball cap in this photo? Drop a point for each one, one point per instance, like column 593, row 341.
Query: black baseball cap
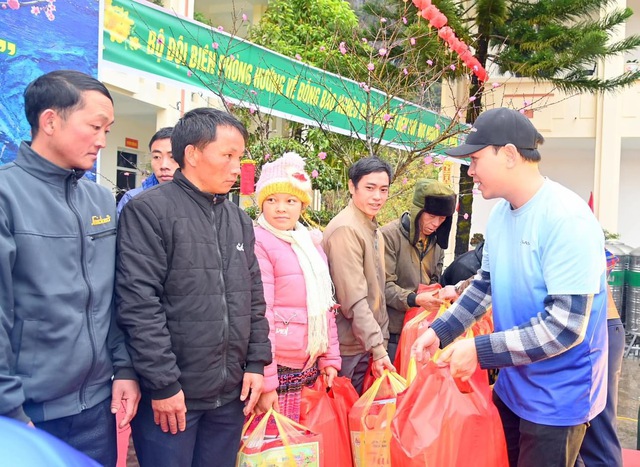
column 499, row 127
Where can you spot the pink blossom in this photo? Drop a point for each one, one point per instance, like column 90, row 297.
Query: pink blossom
column 452, row 66
column 267, row 157
column 342, row 48
column 252, row 110
column 220, row 28
column 429, row 62
column 13, row 4
column 244, row 17
column 189, row 73
column 405, row 71
column 404, row 20
column 322, row 49
column 495, row 85
column 254, row 92
column 35, row 10
column 215, row 46
column 404, row 128
column 232, row 57
column 437, row 126
column 472, row 98
column 526, row 103
column 322, row 155
column 314, row 173
column 466, row 216
column 364, row 40
column 298, row 57
column 370, row 66
column 405, row 180
column 428, row 160
column 160, row 40
column 382, row 52
column 412, row 41
column 522, row 111
column 383, row 20
column 387, row 117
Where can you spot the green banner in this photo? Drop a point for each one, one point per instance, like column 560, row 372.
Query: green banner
column 153, row 41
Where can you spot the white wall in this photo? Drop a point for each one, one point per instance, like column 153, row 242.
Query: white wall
column 629, row 212
column 138, row 128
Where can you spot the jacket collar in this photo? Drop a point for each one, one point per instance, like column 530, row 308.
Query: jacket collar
column 206, row 200
column 362, row 218
column 41, row 168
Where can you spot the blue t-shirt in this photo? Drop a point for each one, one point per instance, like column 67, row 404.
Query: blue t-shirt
column 553, row 245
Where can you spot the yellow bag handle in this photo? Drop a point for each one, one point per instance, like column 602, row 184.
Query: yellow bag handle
column 282, row 423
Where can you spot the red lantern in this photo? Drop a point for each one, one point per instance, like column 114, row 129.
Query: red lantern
column 430, row 12
column 439, row 20
column 421, row 4
column 446, row 34
column 247, row 176
column 466, row 56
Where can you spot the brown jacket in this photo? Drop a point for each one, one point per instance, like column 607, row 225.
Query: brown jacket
column 355, row 250
column 406, row 268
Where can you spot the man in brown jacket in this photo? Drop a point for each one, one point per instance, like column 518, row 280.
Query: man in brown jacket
column 414, row 252
column 355, row 250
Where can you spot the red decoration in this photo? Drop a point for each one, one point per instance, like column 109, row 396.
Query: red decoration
column 438, row 20
column 247, row 177
column 299, row 176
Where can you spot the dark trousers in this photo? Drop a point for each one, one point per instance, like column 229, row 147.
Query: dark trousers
column 92, row 432
column 392, row 349
column 212, row 437
column 601, row 446
column 532, row 445
column 355, row 367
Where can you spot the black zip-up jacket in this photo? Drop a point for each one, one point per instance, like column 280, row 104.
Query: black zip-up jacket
column 189, row 294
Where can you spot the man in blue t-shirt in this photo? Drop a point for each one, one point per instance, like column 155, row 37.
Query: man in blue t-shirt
column 543, row 271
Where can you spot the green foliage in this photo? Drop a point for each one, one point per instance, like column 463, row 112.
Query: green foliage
column 610, row 235
column 561, row 41
column 202, row 18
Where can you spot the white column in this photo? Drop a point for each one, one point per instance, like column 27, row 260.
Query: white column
column 608, row 145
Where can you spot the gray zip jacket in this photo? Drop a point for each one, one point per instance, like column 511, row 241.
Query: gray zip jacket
column 59, row 345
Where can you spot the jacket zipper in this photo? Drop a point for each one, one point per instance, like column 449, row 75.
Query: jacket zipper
column 107, row 233
column 72, row 183
column 225, row 350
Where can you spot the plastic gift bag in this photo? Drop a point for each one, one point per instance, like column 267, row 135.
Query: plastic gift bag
column 325, row 411
column 441, row 421
column 294, row 446
column 370, row 421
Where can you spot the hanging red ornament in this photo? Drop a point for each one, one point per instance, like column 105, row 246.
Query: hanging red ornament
column 430, row 12
column 439, row 20
column 247, row 176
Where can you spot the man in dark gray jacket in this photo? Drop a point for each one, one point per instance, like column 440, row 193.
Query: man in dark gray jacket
column 59, row 345
column 190, row 299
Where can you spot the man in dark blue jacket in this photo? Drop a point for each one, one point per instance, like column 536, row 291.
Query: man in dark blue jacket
column 59, row 344
column 190, row 300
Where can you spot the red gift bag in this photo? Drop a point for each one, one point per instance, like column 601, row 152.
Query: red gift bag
column 294, row 445
column 325, row 412
column 445, row 422
column 370, row 421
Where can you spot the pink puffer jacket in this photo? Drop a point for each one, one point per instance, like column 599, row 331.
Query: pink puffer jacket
column 285, row 294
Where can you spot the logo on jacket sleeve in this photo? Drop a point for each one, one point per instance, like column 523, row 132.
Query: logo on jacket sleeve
column 240, row 247
column 99, row 220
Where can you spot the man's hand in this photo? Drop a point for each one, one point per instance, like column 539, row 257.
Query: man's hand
column 170, row 413
column 127, row 391
column 266, row 401
column 425, row 346
column 448, row 292
column 251, row 388
column 461, row 357
column 330, row 374
column 380, row 365
column 429, row 301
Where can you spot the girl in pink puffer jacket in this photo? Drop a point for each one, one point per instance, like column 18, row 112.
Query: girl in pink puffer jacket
column 297, row 288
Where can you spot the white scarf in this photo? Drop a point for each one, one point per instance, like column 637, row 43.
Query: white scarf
column 317, row 281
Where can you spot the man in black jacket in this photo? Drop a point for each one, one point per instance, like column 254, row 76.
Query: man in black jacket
column 190, row 300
